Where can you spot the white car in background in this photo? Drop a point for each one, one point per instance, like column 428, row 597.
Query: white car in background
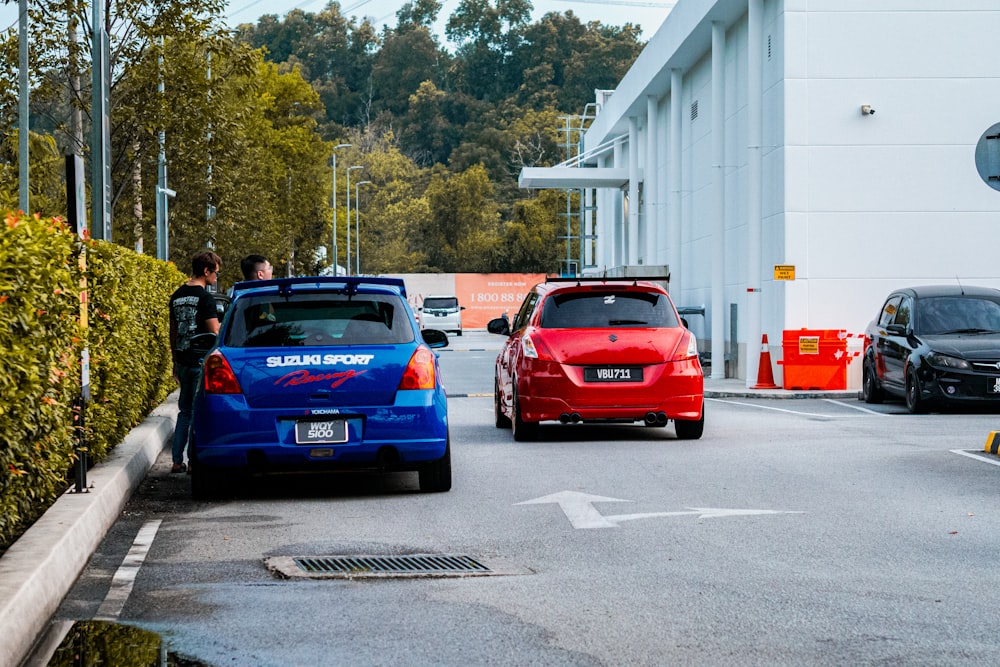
column 442, row 313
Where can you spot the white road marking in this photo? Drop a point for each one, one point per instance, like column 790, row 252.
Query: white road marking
column 124, row 579
column 855, row 407
column 768, row 407
column 993, row 460
column 579, row 509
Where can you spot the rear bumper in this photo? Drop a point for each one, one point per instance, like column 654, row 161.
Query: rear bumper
column 225, row 434
column 676, row 389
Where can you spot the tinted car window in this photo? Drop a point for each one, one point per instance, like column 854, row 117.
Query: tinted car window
column 947, row 314
column 904, row 312
column 433, row 303
column 317, row 320
column 521, row 319
column 888, row 311
column 616, row 309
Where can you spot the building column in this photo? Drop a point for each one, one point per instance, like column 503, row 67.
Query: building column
column 649, row 183
column 755, row 38
column 719, row 197
column 632, row 240
column 674, row 178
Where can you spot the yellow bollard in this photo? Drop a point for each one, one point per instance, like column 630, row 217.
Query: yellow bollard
column 992, row 443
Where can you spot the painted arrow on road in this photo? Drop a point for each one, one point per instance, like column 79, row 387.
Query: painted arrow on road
column 579, row 509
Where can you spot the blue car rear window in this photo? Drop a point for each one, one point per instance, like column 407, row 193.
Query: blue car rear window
column 317, row 320
column 577, row 310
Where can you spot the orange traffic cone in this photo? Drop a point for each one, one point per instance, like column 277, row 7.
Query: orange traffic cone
column 765, row 377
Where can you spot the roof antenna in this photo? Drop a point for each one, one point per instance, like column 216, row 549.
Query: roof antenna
column 960, row 286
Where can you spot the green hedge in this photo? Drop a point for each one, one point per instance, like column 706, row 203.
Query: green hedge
column 41, row 342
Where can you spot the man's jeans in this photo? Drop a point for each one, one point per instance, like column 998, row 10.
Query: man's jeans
column 189, row 377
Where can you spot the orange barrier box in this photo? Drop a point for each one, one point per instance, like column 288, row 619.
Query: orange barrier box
column 814, row 359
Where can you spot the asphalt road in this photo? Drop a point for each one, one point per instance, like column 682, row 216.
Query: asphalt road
column 807, row 532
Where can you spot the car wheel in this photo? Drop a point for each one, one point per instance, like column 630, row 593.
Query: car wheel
column 523, row 431
column 914, row 403
column 690, row 430
column 502, row 420
column 435, row 477
column 870, row 389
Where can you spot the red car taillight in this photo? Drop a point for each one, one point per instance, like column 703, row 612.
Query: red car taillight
column 687, row 348
column 419, row 373
column 219, row 376
column 535, row 347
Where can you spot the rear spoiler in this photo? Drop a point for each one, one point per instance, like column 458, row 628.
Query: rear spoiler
column 348, row 284
column 610, row 279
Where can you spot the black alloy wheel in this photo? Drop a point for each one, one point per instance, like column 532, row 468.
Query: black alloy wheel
column 523, row 431
column 914, row 403
column 502, row 420
column 870, row 389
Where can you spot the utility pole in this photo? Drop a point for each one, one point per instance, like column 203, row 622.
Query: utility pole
column 100, row 141
column 334, row 248
column 348, row 262
column 23, row 110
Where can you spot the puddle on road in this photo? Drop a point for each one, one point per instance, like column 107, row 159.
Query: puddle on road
column 102, row 644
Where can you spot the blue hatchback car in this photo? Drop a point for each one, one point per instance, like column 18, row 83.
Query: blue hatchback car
column 320, row 373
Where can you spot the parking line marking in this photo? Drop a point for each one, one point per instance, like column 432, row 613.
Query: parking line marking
column 768, row 407
column 856, row 407
column 124, row 579
column 972, row 455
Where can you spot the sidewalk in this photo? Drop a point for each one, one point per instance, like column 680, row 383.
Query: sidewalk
column 40, row 568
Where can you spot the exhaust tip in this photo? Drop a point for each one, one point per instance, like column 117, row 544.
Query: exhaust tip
column 650, row 418
column 564, row 418
column 576, row 418
column 661, row 418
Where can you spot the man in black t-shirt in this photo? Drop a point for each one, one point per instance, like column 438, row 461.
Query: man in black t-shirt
column 192, row 312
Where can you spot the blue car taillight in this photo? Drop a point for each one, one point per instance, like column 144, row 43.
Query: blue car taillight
column 219, row 376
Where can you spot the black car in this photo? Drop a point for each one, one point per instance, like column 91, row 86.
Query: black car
column 936, row 345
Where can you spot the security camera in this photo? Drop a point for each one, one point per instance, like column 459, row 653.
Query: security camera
column 867, row 110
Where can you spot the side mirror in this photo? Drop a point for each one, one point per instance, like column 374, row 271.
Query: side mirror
column 685, row 322
column 435, row 338
column 499, row 326
column 462, row 308
column 896, row 329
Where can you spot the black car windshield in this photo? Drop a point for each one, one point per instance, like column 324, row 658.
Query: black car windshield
column 957, row 314
column 582, row 310
column 317, row 320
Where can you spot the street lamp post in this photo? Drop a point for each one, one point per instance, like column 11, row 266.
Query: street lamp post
column 348, row 262
column 357, row 227
column 335, row 265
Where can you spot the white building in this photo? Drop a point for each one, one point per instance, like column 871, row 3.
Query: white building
column 857, row 141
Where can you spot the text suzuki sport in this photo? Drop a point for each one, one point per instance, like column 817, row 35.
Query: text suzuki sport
column 320, row 373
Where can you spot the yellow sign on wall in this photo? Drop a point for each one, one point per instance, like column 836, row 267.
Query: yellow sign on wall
column 808, row 344
column 784, row 272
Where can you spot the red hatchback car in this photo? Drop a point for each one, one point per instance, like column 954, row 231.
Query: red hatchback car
column 598, row 349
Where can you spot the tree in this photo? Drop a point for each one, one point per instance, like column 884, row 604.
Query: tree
column 464, row 225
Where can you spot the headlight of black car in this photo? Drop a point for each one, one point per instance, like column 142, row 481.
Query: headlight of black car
column 947, row 361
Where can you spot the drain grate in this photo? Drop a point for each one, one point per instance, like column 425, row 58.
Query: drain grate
column 410, row 565
column 414, row 564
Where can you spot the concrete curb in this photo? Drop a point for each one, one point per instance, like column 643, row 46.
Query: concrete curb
column 38, row 570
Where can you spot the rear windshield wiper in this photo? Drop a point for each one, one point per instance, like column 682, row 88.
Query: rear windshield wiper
column 614, row 323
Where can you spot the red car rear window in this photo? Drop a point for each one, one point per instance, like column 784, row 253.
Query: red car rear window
column 577, row 310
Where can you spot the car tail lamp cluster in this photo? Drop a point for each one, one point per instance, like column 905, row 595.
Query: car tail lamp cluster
column 687, row 348
column 419, row 373
column 535, row 348
column 219, row 376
